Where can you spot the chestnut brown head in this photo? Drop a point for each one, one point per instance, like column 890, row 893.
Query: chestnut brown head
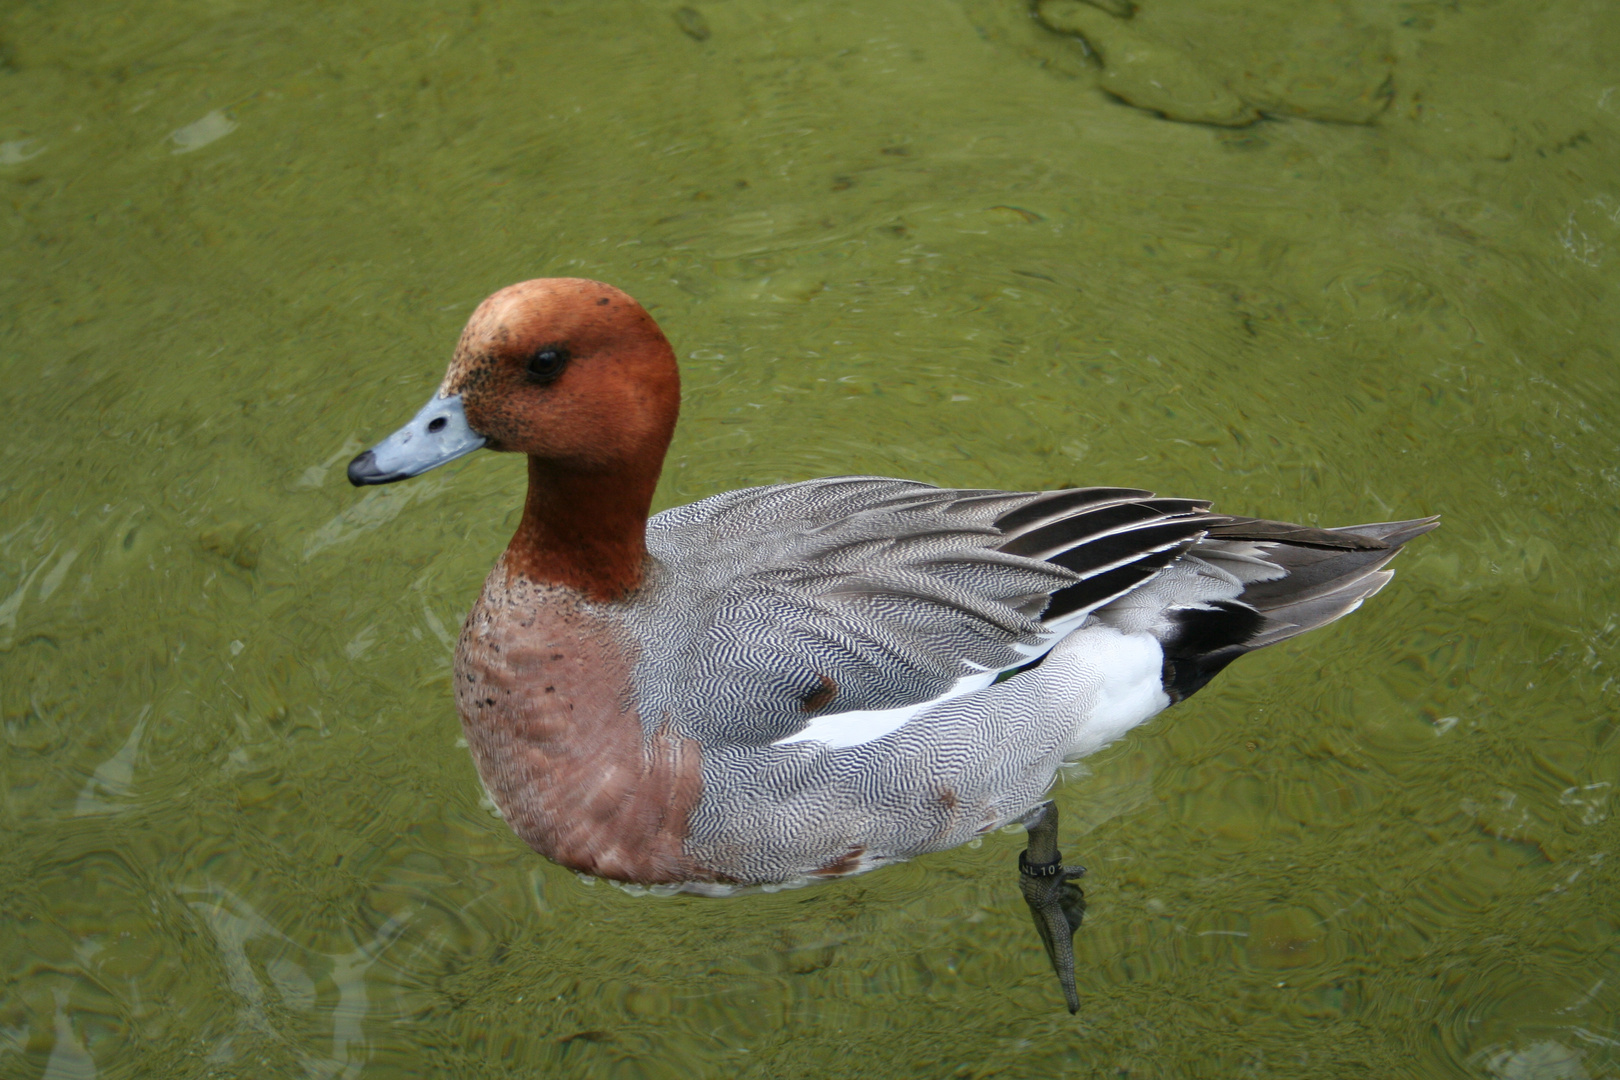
column 572, row 372
column 568, row 370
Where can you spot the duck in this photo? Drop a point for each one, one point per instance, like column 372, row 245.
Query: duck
column 779, row 685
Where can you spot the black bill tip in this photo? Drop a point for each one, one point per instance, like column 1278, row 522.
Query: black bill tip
column 363, row 471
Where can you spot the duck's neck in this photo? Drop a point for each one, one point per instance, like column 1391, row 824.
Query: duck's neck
column 584, row 531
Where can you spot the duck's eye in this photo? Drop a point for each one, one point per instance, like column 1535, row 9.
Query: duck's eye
column 548, row 363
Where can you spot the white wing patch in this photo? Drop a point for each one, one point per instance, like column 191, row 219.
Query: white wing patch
column 840, row 731
column 1111, row 681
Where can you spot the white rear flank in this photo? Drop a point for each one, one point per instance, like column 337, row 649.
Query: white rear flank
column 1123, row 674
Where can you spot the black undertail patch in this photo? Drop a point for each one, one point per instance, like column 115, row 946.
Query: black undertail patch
column 1206, row 638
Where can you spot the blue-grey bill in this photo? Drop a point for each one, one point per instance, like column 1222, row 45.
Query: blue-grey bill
column 437, row 434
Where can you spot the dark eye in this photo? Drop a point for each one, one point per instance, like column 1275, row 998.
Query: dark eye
column 548, row 363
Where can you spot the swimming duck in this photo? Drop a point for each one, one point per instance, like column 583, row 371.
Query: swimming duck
column 810, row 680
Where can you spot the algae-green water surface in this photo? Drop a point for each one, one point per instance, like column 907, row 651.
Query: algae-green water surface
column 1368, row 266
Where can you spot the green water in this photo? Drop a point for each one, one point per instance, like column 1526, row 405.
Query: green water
column 238, row 837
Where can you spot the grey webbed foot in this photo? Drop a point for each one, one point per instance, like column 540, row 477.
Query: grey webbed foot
column 1056, row 904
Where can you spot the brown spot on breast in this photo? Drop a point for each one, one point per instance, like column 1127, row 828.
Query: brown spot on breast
column 947, row 798
column 563, row 753
column 819, row 698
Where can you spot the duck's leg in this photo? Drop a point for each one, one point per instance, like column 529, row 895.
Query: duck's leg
column 1056, row 903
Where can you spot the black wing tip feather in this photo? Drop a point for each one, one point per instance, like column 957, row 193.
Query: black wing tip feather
column 1094, row 555
column 1050, row 503
column 1283, row 532
column 1394, row 533
column 1375, row 536
column 1085, row 524
column 1100, row 588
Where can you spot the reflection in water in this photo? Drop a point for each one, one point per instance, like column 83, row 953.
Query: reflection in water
column 302, row 985
column 113, row 780
column 199, row 133
column 1547, row 1060
column 69, row 1059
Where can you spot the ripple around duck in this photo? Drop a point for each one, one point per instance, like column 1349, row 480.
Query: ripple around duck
column 1512, row 1018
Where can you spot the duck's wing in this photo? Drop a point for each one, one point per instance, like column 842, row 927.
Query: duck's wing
column 837, row 609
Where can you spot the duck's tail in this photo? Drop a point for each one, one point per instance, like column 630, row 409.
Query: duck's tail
column 1294, row 578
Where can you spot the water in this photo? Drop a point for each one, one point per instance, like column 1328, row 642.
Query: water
column 915, row 239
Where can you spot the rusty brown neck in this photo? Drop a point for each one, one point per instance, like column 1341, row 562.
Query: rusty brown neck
column 584, row 530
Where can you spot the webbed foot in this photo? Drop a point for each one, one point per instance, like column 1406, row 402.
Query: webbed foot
column 1056, row 903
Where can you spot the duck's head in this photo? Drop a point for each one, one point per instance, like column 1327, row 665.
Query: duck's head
column 571, row 372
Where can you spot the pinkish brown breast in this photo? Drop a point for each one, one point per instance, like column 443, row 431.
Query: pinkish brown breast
column 543, row 686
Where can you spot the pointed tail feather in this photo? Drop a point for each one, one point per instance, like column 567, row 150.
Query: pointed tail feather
column 1327, row 573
